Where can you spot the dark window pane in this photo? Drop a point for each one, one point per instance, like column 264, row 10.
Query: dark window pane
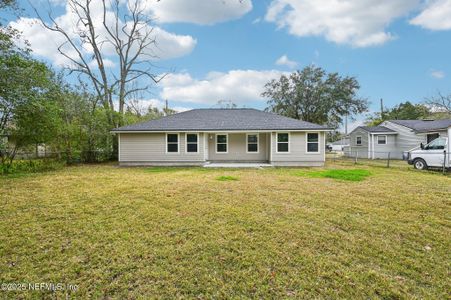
column 282, row 147
column 312, row 147
column 221, row 147
column 191, row 138
column 381, row 140
column 252, row 148
column 252, row 138
column 282, row 137
column 173, row 147
column 359, row 140
column 172, row 138
column 312, row 137
column 192, row 147
column 221, row 138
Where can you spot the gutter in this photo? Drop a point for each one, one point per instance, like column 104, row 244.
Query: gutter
column 222, row 130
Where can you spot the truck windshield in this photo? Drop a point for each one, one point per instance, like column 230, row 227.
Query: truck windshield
column 437, row 144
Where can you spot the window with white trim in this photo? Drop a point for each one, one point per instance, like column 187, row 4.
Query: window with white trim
column 252, row 143
column 283, row 141
column 358, row 140
column 381, row 139
column 221, row 143
column 192, row 142
column 172, row 143
column 312, row 142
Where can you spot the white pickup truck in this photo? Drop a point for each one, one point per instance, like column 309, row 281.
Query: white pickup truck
column 436, row 154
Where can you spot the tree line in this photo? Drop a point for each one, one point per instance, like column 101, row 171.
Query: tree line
column 39, row 107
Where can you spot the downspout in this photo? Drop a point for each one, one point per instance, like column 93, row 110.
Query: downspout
column 270, row 148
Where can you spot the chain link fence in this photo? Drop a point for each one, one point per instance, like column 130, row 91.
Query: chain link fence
column 376, row 159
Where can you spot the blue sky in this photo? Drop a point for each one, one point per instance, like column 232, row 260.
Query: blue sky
column 225, row 50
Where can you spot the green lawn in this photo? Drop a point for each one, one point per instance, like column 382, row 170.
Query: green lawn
column 206, row 233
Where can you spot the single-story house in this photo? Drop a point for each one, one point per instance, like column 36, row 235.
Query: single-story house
column 203, row 136
column 394, row 137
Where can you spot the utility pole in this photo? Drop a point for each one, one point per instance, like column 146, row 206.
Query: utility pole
column 382, row 109
column 346, row 125
column 166, row 107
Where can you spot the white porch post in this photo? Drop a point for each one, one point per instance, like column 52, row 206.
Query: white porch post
column 270, row 147
column 205, row 146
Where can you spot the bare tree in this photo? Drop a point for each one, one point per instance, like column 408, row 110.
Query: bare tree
column 440, row 103
column 124, row 35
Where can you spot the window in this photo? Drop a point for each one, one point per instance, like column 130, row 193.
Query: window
column 432, row 136
column 221, row 143
column 252, row 143
column 381, row 139
column 313, row 142
column 283, row 140
column 192, row 143
column 358, row 140
column 172, row 142
column 437, row 144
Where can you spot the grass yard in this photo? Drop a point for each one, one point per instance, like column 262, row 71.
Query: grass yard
column 216, row 233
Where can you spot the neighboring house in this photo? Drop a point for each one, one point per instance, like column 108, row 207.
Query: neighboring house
column 201, row 136
column 339, row 145
column 394, row 137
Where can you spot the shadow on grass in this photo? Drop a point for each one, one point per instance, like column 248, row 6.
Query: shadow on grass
column 349, row 175
column 172, row 169
column 226, row 178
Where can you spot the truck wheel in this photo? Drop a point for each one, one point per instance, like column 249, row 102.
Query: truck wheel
column 420, row 164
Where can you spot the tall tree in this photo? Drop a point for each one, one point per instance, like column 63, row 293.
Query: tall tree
column 440, row 103
column 120, row 26
column 402, row 111
column 315, row 96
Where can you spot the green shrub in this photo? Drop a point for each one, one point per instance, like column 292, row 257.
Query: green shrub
column 350, row 175
column 31, row 166
column 227, row 178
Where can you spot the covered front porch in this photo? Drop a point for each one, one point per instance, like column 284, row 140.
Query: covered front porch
column 237, row 148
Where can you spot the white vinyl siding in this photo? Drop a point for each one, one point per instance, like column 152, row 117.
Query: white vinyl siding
column 298, row 151
column 151, row 147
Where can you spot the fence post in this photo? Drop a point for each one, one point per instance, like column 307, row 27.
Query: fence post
column 444, row 162
column 355, row 159
column 388, row 160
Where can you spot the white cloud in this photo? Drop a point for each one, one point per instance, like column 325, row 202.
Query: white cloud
column 435, row 16
column 203, row 12
column 437, row 74
column 256, row 21
column 359, row 23
column 45, row 43
column 238, row 86
column 285, row 61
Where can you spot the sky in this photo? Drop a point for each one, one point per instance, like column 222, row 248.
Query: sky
column 399, row 50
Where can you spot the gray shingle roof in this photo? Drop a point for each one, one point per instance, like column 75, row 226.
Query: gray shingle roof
column 424, row 125
column 222, row 119
column 376, row 129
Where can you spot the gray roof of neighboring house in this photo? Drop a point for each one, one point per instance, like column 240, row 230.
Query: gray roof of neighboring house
column 222, row 119
column 424, row 125
column 376, row 129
